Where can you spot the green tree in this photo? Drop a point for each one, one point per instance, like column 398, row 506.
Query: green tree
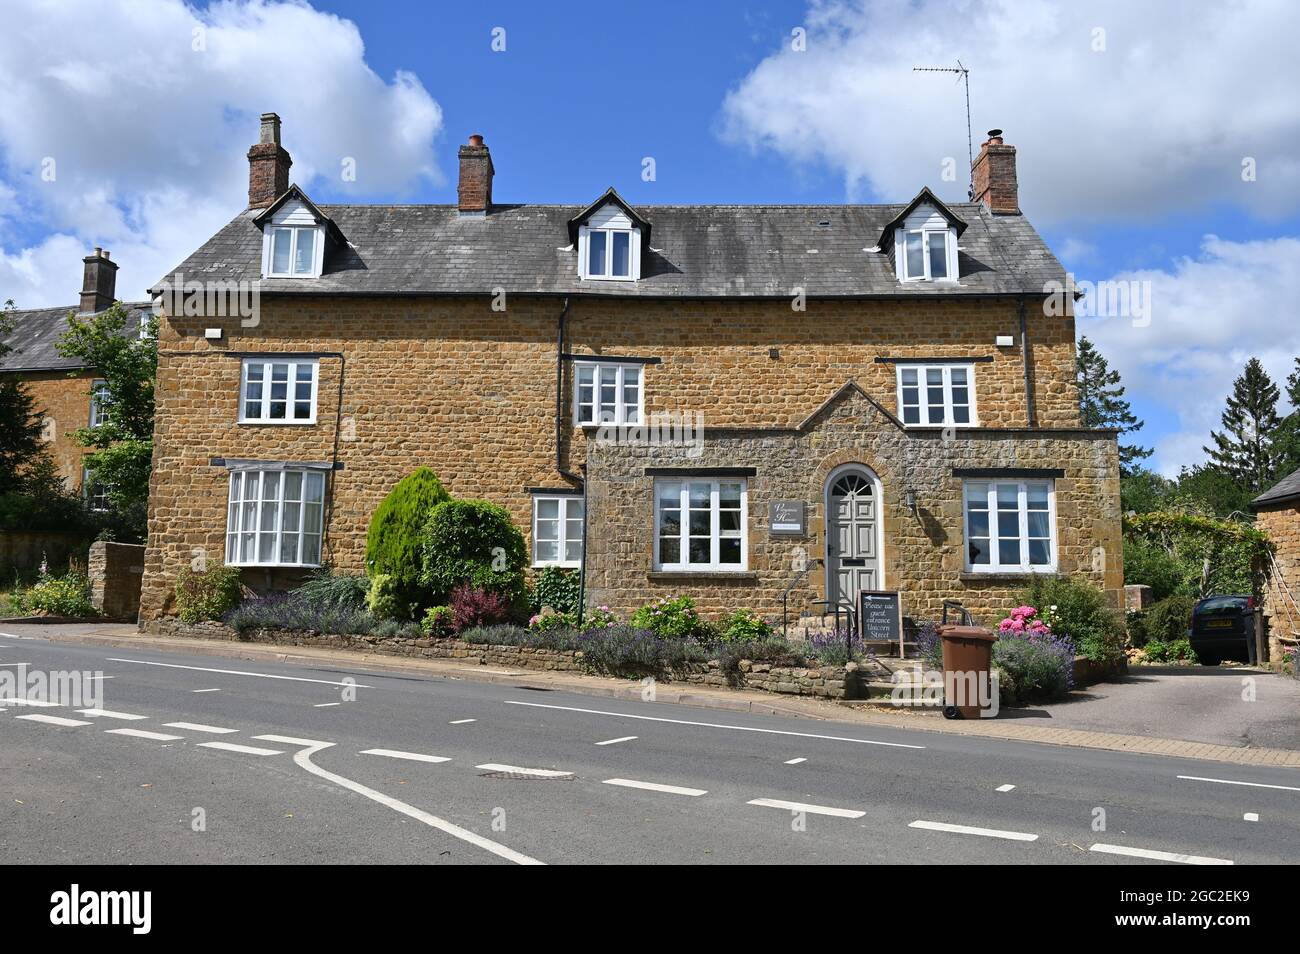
column 396, row 530
column 123, row 443
column 1244, row 449
column 20, row 421
column 1102, row 404
column 1142, row 490
column 1286, row 440
column 1211, row 492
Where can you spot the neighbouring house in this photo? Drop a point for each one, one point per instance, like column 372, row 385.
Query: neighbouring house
column 69, row 394
column 1277, row 513
column 750, row 405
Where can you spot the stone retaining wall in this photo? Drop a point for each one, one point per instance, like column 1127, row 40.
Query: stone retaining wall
column 830, row 682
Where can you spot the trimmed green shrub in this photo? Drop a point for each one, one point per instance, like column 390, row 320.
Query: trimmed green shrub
column 208, row 594
column 1168, row 620
column 744, row 626
column 671, row 618
column 1077, row 609
column 557, row 588
column 384, row 601
column 396, row 528
column 437, row 621
column 68, row 595
column 1176, row 650
column 476, row 543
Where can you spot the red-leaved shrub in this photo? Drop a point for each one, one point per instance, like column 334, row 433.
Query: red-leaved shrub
column 475, row 606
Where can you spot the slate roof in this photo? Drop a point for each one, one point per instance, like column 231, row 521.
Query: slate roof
column 699, row 251
column 1284, row 491
column 35, row 330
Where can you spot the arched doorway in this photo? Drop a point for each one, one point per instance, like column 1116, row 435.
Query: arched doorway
column 853, row 533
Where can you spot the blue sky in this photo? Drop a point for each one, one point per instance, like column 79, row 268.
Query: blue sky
column 1132, row 127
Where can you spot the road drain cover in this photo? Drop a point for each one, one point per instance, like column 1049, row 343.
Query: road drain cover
column 528, row 776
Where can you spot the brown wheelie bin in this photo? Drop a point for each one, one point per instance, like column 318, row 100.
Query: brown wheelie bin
column 968, row 656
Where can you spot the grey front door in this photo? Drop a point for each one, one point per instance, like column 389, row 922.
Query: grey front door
column 852, row 560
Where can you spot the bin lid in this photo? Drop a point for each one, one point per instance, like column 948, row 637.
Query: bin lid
column 953, row 631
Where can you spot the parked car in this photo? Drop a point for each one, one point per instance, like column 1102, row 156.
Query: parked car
column 1223, row 627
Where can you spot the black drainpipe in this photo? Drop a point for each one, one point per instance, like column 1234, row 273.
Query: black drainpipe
column 1024, row 354
column 559, row 399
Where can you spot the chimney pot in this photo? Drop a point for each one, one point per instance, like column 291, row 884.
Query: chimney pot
column 993, row 176
column 474, row 191
column 268, row 165
column 98, row 282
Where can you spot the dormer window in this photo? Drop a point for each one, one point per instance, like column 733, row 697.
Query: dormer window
column 926, row 255
column 293, row 252
column 609, row 235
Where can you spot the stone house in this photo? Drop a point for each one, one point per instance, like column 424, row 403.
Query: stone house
column 1277, row 513
column 67, row 392
column 746, row 404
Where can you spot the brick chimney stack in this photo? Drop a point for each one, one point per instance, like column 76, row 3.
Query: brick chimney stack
column 474, row 193
column 268, row 165
column 98, row 282
column 993, row 177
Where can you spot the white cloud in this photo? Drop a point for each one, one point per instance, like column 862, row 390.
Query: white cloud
column 147, row 111
column 1208, row 315
column 1160, row 120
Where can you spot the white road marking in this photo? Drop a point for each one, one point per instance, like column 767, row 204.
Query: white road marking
column 199, row 727
column 622, row 738
column 1250, row 816
column 52, row 720
column 411, row 756
column 461, row 721
column 1228, row 781
column 205, row 690
column 326, row 705
column 656, row 787
column 810, row 809
column 1005, row 788
column 1158, row 855
column 109, row 714
column 241, row 672
column 796, row 761
column 302, row 759
column 290, row 740
column 99, row 675
column 244, row 749
column 517, row 770
column 714, row 725
column 142, row 734
column 968, row 830
column 41, row 703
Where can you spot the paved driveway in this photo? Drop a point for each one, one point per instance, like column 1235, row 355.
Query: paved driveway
column 1200, row 704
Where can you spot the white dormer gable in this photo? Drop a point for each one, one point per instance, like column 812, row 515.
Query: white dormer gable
column 609, row 246
column 922, row 241
column 293, row 242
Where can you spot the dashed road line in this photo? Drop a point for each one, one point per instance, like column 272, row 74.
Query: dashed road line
column 519, row 770
column 142, row 734
column 302, row 758
column 970, row 830
column 291, row 740
column 798, row 761
column 199, row 727
column 241, row 672
column 1158, row 855
column 243, row 749
column 205, row 690
column 714, row 725
column 809, row 809
column 1228, row 781
column 409, row 756
column 1250, row 816
column 52, row 720
column 656, row 787
column 1005, row 788
column 109, row 714
column 461, row 721
column 622, row 738
column 326, row 705
column 39, row 703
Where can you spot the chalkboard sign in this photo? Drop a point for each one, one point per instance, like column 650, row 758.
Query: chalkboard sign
column 881, row 615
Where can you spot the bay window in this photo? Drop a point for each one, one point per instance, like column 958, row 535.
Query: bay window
column 1010, row 526
column 700, row 525
column 275, row 517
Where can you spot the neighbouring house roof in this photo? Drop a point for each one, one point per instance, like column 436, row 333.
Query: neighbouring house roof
column 1285, row 490
column 700, row 251
column 35, row 331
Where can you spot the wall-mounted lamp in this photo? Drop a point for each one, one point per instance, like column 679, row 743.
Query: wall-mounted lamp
column 909, row 497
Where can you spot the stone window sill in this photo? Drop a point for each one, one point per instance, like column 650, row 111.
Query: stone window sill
column 969, row 577
column 669, row 576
